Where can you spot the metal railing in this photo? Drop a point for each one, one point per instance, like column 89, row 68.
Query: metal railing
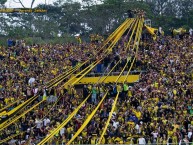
column 190, row 143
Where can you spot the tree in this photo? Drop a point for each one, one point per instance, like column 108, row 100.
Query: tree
column 2, row 2
column 69, row 17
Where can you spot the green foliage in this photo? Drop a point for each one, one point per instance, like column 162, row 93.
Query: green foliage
column 54, row 40
column 3, row 41
column 68, row 17
column 2, row 2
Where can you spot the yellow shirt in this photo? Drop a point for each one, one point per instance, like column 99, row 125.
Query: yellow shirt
column 101, row 89
column 54, row 72
column 6, row 100
column 185, row 112
column 164, row 106
column 109, row 140
column 119, row 88
column 69, row 129
column 155, row 118
column 12, row 99
column 175, row 127
column 137, row 114
column 164, row 121
column 93, row 141
column 175, row 92
column 174, row 139
column 89, row 87
column 118, row 139
column 84, row 134
column 170, row 133
column 129, row 93
column 156, row 84
column 164, row 142
column 155, row 109
column 103, row 141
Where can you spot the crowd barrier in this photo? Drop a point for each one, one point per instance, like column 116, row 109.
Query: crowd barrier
column 190, row 143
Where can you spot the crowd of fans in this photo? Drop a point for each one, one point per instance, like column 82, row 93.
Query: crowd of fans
column 22, row 69
column 157, row 109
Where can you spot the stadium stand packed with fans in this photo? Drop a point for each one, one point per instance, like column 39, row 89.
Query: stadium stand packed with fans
column 156, row 109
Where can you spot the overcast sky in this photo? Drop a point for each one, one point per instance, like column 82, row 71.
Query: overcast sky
column 26, row 3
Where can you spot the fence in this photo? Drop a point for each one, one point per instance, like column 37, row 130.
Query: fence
column 190, row 143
